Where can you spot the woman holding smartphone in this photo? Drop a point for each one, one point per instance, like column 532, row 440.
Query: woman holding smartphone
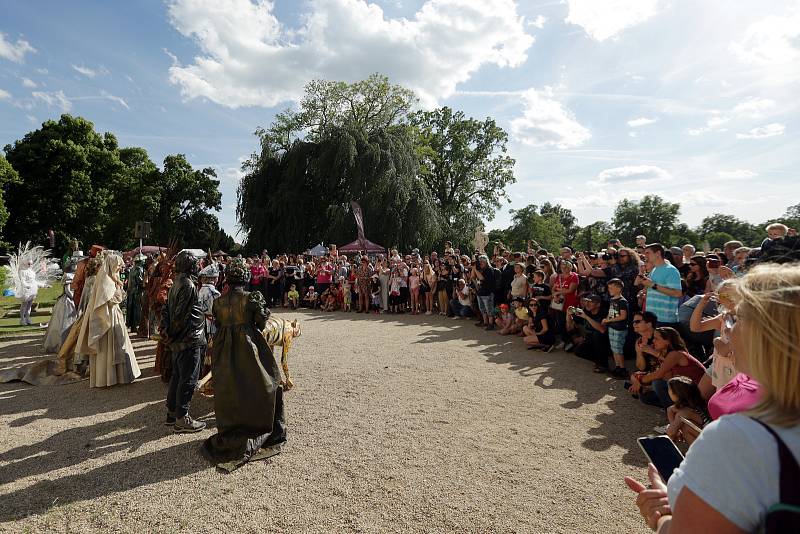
column 741, row 475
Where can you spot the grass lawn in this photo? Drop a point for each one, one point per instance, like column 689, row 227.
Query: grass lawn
column 9, row 326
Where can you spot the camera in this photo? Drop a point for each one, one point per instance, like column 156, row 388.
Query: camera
column 571, row 310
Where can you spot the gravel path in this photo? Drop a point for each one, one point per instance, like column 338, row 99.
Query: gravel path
column 396, row 424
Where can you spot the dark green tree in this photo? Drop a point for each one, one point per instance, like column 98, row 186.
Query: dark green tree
column 528, row 224
column 741, row 230
column 8, row 176
column 565, row 217
column 465, row 167
column 652, row 216
column 593, row 237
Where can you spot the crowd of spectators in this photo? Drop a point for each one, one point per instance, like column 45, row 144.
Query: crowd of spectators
column 661, row 319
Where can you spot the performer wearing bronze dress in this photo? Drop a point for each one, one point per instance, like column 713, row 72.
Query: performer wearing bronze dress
column 248, row 398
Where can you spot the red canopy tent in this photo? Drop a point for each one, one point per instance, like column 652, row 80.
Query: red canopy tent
column 356, row 246
column 146, row 250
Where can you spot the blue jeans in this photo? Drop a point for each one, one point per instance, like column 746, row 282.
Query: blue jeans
column 459, row 310
column 658, row 396
column 185, row 372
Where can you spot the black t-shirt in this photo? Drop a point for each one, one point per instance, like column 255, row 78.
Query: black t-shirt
column 542, row 290
column 487, row 285
column 615, row 307
column 598, row 317
column 548, row 338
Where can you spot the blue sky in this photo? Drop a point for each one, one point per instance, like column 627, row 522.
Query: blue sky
column 695, row 101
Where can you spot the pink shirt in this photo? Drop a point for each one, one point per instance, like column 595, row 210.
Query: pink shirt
column 738, row 395
column 413, row 281
column 324, row 275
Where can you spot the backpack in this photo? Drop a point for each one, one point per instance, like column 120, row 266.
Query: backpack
column 785, row 515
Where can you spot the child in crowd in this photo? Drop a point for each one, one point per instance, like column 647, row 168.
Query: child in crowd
column 293, row 297
column 541, row 291
column 504, row 319
column 775, row 232
column 311, row 298
column 617, row 322
column 522, row 315
column 538, row 334
column 347, row 295
column 688, row 406
column 413, row 287
column 375, row 292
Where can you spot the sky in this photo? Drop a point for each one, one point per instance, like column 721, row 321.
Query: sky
column 695, row 101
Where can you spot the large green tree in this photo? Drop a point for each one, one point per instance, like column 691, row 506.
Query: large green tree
column 465, row 167
column 8, row 176
column 529, row 224
column 652, row 216
column 719, row 223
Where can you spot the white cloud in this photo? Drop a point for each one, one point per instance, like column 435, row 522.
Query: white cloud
column 4, row 94
column 773, row 40
column 56, row 98
column 641, row 121
column 546, row 122
column 737, row 174
column 538, row 22
column 762, row 132
column 117, row 99
column 86, row 71
column 27, row 82
column 250, row 59
column 754, row 108
column 32, row 119
column 602, row 20
column 42, row 71
column 631, row 174
column 633, row 134
column 14, row 51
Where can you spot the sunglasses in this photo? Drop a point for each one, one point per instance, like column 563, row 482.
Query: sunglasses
column 637, row 321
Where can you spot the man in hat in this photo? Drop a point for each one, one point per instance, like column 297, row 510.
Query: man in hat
column 183, row 330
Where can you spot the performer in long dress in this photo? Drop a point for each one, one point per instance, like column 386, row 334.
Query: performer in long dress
column 64, row 315
column 133, row 306
column 103, row 334
column 248, row 398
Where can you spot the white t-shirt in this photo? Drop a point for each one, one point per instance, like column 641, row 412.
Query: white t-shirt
column 733, row 466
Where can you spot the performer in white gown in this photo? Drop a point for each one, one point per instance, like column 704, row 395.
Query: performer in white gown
column 103, row 334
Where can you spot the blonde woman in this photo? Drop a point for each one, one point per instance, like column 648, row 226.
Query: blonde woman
column 429, row 281
column 730, row 481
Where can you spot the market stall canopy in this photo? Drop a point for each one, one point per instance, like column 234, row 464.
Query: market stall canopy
column 197, row 252
column 319, row 250
column 356, row 246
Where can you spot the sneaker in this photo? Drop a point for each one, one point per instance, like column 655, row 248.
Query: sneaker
column 428, row 312
column 188, row 425
column 560, row 345
column 490, row 327
column 170, row 420
column 661, row 429
column 569, row 347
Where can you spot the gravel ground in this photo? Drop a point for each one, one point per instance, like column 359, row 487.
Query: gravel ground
column 396, row 424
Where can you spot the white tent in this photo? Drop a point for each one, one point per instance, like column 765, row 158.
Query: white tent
column 319, row 250
column 197, row 252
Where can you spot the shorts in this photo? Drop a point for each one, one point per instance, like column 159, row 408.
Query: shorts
column 486, row 304
column 617, row 340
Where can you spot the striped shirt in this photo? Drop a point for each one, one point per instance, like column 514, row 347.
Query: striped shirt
column 664, row 306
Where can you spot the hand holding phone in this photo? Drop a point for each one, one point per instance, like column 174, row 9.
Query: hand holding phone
column 662, row 453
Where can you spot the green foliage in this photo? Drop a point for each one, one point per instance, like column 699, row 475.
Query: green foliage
column 748, row 234
column 717, row 239
column 528, row 224
column 464, row 164
column 82, row 185
column 565, row 217
column 593, row 237
column 652, row 217
column 294, row 200
column 7, row 176
column 683, row 235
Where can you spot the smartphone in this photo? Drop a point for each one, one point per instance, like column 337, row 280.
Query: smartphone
column 691, row 425
column 662, row 453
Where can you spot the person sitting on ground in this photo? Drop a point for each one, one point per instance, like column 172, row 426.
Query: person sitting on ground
column 670, row 349
column 617, row 323
column 586, row 333
column 538, row 334
column 505, row 319
column 688, row 405
column 705, row 494
column 311, row 298
column 293, row 297
column 521, row 316
column 461, row 303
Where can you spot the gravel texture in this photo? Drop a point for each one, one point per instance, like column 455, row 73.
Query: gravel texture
column 396, row 424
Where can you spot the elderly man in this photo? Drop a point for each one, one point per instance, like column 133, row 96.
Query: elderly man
column 729, row 249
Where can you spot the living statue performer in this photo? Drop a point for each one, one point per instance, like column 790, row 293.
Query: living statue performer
column 157, row 294
column 248, row 398
column 69, row 359
column 133, row 306
column 208, row 294
column 64, row 315
column 182, row 329
column 103, row 335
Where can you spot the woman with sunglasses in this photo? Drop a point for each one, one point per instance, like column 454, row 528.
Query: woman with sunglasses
column 538, row 333
column 669, row 348
column 741, row 474
column 697, row 279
